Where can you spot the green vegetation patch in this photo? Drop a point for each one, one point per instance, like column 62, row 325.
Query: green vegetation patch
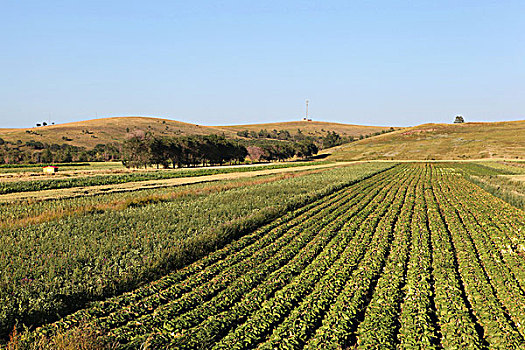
column 56, row 267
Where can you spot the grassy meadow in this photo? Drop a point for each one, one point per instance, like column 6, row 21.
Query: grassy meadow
column 440, row 141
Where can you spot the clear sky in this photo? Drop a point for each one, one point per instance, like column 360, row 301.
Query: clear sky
column 228, row 62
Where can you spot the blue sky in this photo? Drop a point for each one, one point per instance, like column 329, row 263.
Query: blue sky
column 229, row 62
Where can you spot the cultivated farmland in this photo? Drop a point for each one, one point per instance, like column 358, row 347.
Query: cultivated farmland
column 408, row 257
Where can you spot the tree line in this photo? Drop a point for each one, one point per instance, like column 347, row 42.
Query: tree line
column 36, row 152
column 142, row 149
column 206, row 150
column 329, row 139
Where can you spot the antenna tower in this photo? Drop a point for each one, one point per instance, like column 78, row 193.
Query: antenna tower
column 307, row 101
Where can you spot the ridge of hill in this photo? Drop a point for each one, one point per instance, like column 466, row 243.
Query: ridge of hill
column 89, row 133
column 473, row 140
column 313, row 128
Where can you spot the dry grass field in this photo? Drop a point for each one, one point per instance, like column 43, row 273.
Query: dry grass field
column 105, row 130
column 89, row 133
column 314, row 128
column 441, row 141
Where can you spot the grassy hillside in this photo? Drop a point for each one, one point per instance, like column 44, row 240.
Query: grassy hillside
column 313, row 128
column 92, row 132
column 441, row 141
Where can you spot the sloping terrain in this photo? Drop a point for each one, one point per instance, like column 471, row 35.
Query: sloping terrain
column 313, row 128
column 441, row 141
column 106, row 130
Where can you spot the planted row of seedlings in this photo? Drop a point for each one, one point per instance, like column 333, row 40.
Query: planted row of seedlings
column 119, row 310
column 379, row 327
column 58, row 266
column 417, row 317
column 342, row 319
column 258, row 326
column 499, row 331
column 414, row 257
column 232, row 317
column 501, row 275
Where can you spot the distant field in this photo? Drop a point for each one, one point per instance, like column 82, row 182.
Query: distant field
column 7, row 170
column 75, row 180
column 34, row 191
column 440, row 141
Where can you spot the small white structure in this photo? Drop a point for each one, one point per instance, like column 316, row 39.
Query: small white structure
column 50, row 169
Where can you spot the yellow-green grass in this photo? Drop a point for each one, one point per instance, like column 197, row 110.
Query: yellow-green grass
column 441, row 141
column 313, row 128
column 512, row 167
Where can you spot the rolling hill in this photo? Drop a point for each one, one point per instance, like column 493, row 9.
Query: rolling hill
column 106, row 130
column 314, row 128
column 440, row 141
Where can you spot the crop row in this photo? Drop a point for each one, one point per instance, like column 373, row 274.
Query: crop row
column 56, row 267
column 116, row 311
column 342, row 318
column 417, row 317
column 358, row 205
column 485, row 260
column 413, row 257
column 97, row 180
column 499, row 330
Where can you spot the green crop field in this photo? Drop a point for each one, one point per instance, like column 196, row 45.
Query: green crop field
column 367, row 256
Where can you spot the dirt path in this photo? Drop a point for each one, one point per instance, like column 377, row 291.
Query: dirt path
column 140, row 185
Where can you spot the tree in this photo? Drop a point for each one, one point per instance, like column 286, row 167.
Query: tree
column 331, row 139
column 135, row 152
column 305, row 149
column 47, row 156
column 158, row 152
column 174, row 152
column 459, row 119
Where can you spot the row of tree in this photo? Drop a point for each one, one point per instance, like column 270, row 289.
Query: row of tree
column 38, row 152
column 141, row 151
column 329, row 139
column 186, row 151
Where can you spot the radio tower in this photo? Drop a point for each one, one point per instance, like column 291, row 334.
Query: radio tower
column 307, row 101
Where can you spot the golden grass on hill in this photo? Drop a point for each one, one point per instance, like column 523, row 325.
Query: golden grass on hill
column 313, row 128
column 89, row 133
column 440, row 141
